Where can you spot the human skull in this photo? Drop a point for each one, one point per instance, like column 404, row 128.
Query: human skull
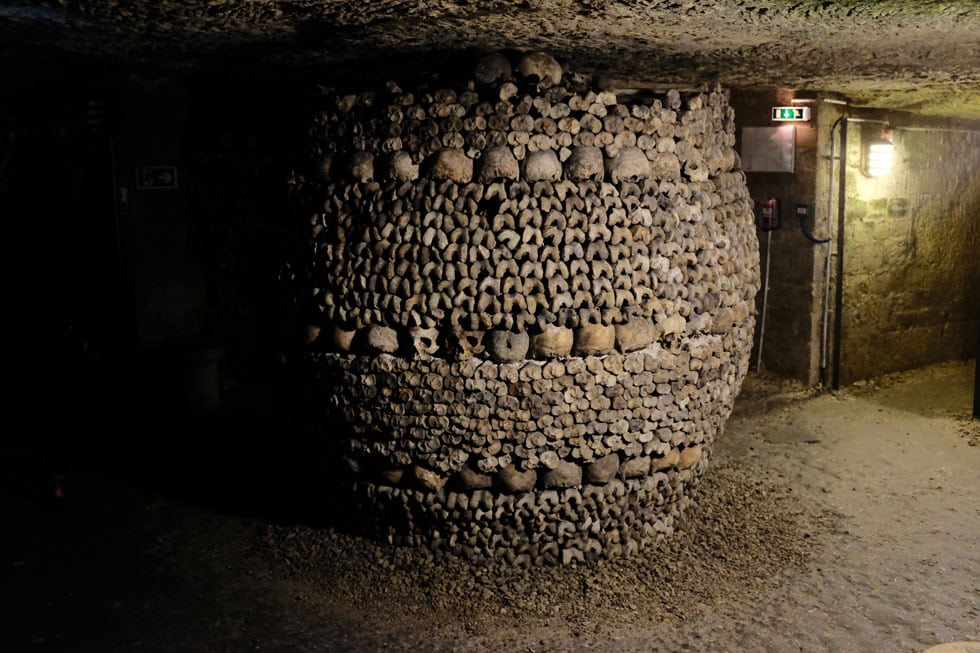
column 468, row 478
column 700, row 323
column 451, row 163
column 381, row 339
column 324, row 167
column 552, row 341
column 428, row 480
column 343, row 339
column 492, row 68
column 594, row 339
column 469, row 344
column 540, row 68
column 542, row 165
column 362, row 166
column 665, row 165
column 696, row 169
column 635, row 334
column 715, row 159
column 498, row 163
column 584, row 164
column 507, row 346
column 402, row 168
column 684, row 150
column 631, row 164
column 673, row 326
column 424, row 342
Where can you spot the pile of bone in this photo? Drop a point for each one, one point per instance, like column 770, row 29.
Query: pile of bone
column 559, row 526
column 430, row 421
column 521, row 286
column 431, row 439
column 541, row 209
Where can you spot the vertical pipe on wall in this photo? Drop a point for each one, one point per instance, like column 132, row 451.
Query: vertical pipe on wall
column 839, row 298
column 120, row 271
column 976, row 377
column 824, row 338
column 765, row 301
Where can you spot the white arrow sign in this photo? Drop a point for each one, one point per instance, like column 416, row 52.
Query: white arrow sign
column 156, row 177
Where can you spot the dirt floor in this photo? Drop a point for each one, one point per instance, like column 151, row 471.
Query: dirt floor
column 826, row 522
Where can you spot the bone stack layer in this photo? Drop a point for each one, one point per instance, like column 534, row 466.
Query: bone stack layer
column 529, row 303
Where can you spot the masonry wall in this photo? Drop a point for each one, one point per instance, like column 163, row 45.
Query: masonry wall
column 166, row 276
column 790, row 344
column 912, row 250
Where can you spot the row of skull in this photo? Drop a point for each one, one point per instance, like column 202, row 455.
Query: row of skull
column 585, row 163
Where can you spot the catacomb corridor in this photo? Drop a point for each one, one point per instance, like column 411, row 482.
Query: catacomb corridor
column 550, row 326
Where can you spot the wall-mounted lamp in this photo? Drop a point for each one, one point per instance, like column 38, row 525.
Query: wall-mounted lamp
column 878, row 153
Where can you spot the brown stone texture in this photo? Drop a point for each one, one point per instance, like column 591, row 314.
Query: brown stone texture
column 912, row 54
column 793, row 312
column 912, row 253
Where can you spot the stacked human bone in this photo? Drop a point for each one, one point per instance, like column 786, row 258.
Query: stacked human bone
column 531, row 306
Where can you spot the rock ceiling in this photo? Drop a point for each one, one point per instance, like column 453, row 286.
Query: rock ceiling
column 915, row 55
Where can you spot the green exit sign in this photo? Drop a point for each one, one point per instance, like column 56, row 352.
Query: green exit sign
column 798, row 114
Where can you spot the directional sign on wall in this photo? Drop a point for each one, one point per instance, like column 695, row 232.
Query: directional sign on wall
column 156, row 177
column 795, row 114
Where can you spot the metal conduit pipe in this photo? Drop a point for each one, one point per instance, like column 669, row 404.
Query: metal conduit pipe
column 765, row 302
column 839, row 299
column 976, row 378
column 824, row 339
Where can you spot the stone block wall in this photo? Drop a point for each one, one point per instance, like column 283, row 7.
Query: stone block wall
column 912, row 252
column 528, row 305
column 793, row 313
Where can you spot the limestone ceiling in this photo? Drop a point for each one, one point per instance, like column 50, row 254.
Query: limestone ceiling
column 917, row 55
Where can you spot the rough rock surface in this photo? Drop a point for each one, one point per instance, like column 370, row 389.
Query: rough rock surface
column 907, row 54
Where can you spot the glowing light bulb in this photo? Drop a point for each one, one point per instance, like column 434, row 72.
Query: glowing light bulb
column 878, row 158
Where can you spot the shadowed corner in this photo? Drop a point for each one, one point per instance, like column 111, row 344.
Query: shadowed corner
column 161, row 428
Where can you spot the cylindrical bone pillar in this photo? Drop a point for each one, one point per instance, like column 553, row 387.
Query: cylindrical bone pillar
column 534, row 307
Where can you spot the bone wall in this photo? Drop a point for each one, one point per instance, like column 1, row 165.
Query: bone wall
column 520, row 287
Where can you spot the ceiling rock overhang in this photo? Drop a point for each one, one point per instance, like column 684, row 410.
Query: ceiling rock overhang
column 912, row 55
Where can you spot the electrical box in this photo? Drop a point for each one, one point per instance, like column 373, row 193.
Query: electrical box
column 769, row 149
column 767, row 214
column 803, row 211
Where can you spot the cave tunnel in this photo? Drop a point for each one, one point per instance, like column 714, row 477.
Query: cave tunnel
column 482, row 326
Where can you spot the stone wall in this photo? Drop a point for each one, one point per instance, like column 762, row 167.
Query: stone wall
column 165, row 274
column 793, row 313
column 912, row 251
column 528, row 301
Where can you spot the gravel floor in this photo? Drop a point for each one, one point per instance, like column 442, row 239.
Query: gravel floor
column 845, row 522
